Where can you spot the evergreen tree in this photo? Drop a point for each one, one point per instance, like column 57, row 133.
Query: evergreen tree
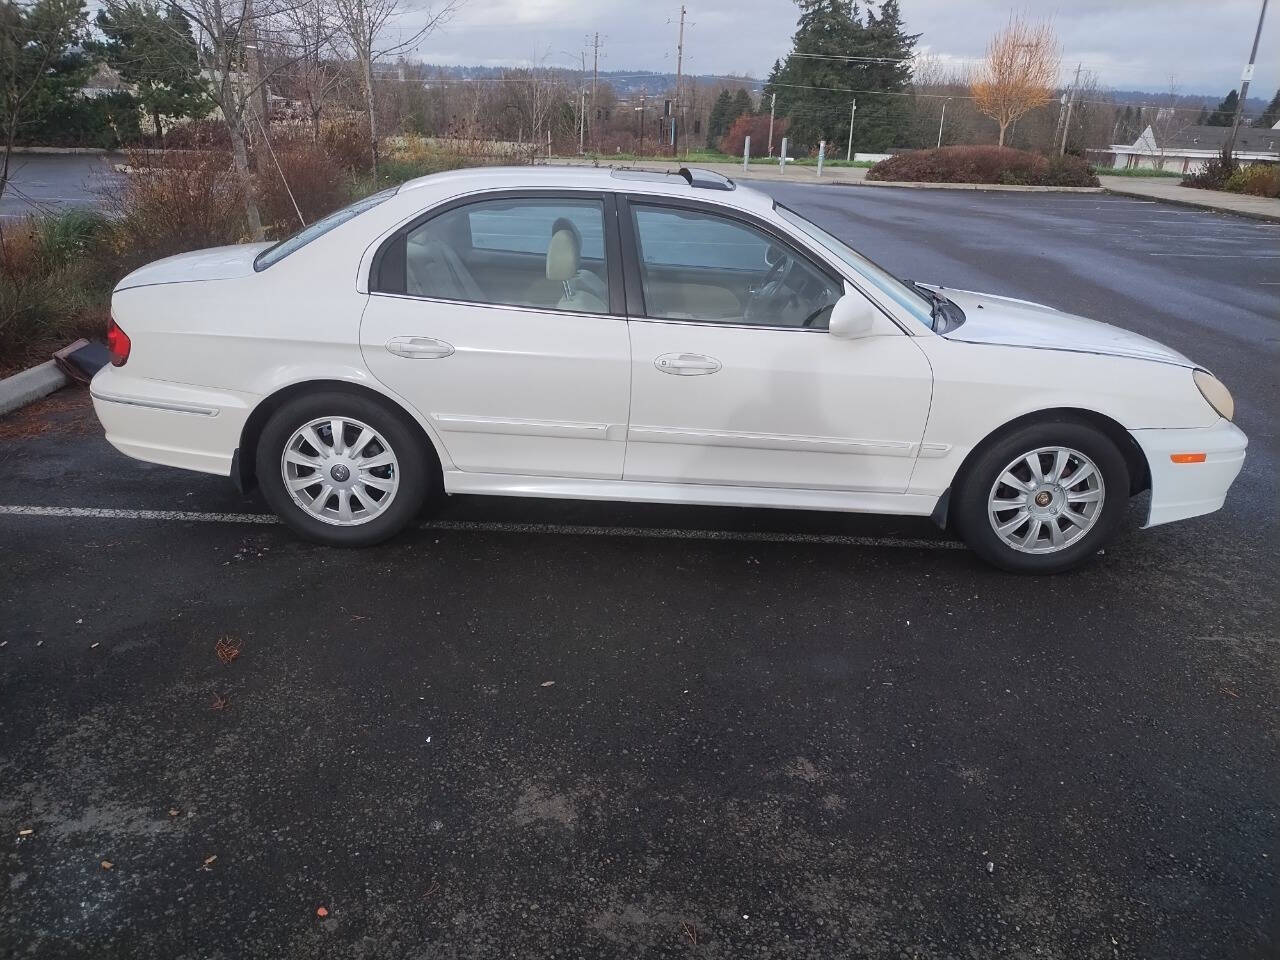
column 1203, row 116
column 1222, row 116
column 1271, row 116
column 740, row 104
column 818, row 82
column 718, row 123
column 153, row 48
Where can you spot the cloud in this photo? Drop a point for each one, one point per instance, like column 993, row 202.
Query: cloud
column 1127, row 43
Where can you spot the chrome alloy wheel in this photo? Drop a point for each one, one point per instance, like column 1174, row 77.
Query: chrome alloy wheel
column 1046, row 500
column 340, row 471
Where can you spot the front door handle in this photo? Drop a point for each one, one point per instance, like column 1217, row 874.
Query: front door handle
column 419, row 348
column 686, row 364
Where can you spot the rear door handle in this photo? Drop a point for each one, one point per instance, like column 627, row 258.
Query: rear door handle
column 687, row 364
column 419, row 348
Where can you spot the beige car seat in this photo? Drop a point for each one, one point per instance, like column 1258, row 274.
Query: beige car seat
column 581, row 290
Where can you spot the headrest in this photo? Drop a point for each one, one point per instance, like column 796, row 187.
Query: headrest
column 565, row 250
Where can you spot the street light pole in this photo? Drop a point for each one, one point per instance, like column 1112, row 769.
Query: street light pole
column 848, row 156
column 1244, row 83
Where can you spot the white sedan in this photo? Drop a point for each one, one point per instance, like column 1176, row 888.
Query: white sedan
column 667, row 338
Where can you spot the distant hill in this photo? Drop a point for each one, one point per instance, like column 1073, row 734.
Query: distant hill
column 652, row 81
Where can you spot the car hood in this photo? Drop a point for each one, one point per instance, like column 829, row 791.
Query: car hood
column 1020, row 323
column 216, row 263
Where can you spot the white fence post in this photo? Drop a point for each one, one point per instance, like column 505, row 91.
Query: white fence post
column 782, row 156
column 822, row 154
column 746, row 154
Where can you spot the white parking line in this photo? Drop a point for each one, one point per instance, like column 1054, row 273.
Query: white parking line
column 497, row 526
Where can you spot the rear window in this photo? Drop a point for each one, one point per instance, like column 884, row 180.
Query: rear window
column 318, row 229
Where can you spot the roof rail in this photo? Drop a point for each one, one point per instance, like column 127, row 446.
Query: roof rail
column 706, row 179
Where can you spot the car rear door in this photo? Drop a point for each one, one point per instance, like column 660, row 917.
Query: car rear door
column 519, row 372
column 735, row 381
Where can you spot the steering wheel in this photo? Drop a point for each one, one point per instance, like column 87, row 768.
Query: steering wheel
column 773, row 292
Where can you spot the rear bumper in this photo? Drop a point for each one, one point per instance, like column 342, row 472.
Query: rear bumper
column 194, row 428
column 1182, row 490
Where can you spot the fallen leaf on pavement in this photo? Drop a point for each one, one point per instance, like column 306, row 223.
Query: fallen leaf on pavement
column 107, row 864
column 227, row 648
column 25, row 832
column 173, row 811
column 208, row 862
column 549, row 683
column 322, row 911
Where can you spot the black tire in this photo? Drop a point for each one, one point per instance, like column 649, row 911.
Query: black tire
column 971, row 494
column 415, row 468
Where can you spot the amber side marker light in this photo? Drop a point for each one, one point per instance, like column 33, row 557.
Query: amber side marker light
column 1187, row 457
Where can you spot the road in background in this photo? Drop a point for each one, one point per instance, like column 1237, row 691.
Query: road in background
column 42, row 182
column 485, row 739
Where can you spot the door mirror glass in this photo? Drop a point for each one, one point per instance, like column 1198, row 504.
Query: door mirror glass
column 852, row 316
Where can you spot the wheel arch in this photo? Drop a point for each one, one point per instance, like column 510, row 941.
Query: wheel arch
column 1135, row 459
column 243, row 465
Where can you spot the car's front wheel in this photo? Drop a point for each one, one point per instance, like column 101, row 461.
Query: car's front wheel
column 1043, row 498
column 342, row 469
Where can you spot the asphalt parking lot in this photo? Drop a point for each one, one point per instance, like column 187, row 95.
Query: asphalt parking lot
column 43, row 182
column 538, row 729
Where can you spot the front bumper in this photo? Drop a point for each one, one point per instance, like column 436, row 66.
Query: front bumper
column 194, row 428
column 1182, row 490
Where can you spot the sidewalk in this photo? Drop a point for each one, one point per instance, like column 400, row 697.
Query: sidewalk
column 1171, row 191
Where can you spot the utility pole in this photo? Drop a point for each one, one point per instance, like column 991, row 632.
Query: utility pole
column 1071, row 102
column 1245, row 77
column 675, row 118
column 582, row 106
column 595, row 75
column 942, row 120
column 853, row 107
column 773, row 102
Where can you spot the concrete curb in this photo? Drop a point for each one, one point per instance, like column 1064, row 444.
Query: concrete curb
column 1196, row 203
column 30, row 385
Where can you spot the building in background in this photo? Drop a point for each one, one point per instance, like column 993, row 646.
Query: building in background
column 1186, row 149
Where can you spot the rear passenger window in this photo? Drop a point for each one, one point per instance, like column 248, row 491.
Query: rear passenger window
column 543, row 253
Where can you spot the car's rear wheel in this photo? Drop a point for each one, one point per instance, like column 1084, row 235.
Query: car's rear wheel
column 342, row 469
column 1043, row 498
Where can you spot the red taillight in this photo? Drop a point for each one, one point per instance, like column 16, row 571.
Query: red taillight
column 117, row 344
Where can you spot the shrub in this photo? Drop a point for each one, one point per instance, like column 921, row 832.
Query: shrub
column 1215, row 173
column 1259, row 179
column 984, row 165
column 52, row 289
column 346, row 143
column 318, row 186
column 172, row 204
column 755, row 126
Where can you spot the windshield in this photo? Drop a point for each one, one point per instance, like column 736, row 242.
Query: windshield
column 918, row 306
column 318, row 229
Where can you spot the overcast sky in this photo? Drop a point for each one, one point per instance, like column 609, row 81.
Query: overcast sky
column 1129, row 44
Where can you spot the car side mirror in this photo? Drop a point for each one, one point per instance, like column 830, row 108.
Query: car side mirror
column 853, row 316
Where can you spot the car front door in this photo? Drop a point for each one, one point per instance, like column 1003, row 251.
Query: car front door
column 501, row 319
column 734, row 378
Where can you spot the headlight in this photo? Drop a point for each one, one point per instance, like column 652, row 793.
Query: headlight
column 1215, row 394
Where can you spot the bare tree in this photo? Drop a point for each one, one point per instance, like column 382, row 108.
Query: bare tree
column 316, row 72
column 1020, row 71
column 363, row 24
column 228, row 32
column 533, row 93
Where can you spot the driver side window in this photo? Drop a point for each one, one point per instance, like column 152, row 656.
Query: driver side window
column 696, row 265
